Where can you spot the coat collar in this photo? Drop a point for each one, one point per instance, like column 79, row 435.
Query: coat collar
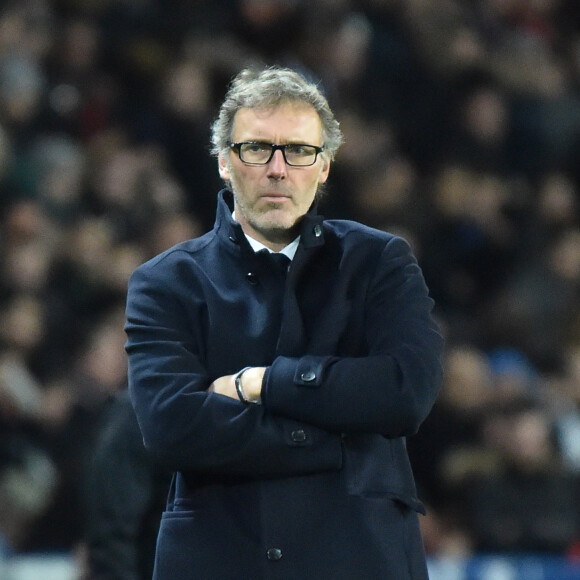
column 311, row 231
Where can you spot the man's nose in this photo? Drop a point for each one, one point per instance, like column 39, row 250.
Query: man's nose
column 277, row 165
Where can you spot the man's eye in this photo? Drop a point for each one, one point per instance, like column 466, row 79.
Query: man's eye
column 296, row 149
column 302, row 151
column 256, row 147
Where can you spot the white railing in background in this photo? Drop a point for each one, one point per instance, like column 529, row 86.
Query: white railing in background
column 502, row 567
column 39, row 567
column 480, row 567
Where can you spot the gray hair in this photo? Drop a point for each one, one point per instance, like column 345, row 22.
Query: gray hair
column 263, row 88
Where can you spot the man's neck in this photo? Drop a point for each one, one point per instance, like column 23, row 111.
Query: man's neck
column 288, row 249
column 270, row 245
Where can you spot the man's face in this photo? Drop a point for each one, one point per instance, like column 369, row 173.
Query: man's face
column 269, row 200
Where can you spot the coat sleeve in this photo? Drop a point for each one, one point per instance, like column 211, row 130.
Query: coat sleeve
column 392, row 388
column 186, row 428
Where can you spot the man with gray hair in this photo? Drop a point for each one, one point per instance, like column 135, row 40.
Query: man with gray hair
column 281, row 394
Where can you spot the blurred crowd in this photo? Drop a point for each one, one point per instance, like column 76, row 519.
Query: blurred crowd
column 462, row 134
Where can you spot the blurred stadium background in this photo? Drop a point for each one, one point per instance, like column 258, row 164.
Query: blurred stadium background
column 462, row 126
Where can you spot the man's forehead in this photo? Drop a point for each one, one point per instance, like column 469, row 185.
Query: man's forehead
column 288, row 116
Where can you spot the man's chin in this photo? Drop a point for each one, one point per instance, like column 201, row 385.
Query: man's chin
column 278, row 231
column 276, row 219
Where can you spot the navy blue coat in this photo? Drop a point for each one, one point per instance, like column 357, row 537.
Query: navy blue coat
column 316, row 482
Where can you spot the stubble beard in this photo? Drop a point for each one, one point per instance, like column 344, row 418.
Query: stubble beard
column 264, row 221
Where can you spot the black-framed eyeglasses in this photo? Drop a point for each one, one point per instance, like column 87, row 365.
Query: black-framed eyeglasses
column 258, row 153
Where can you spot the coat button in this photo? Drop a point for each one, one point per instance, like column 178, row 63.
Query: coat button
column 252, row 278
column 317, row 231
column 308, row 376
column 298, row 436
column 274, row 554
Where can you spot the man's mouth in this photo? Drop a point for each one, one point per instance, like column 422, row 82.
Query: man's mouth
column 274, row 196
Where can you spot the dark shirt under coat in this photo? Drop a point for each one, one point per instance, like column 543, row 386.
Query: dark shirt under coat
column 315, row 482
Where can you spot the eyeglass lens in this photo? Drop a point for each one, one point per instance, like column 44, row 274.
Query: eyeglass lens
column 262, row 153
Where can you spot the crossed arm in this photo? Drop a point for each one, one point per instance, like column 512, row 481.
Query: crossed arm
column 252, row 385
column 193, row 421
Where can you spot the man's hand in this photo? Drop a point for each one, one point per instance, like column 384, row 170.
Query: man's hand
column 251, row 384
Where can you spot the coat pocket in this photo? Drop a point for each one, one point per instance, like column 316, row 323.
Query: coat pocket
column 376, row 466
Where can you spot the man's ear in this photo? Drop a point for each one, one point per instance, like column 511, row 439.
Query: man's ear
column 324, row 171
column 223, row 167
